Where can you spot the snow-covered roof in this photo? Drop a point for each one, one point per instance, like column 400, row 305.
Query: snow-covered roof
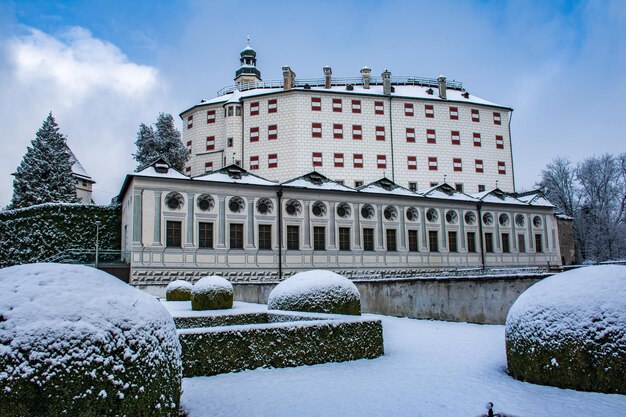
column 386, row 186
column 235, row 175
column 535, row 199
column 77, row 167
column 497, row 196
column 400, row 91
column 446, row 192
column 316, row 181
column 151, row 171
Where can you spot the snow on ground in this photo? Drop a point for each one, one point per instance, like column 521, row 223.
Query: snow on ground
column 430, row 369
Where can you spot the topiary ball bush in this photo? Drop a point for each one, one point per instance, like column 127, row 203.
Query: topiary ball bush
column 212, row 293
column 178, row 290
column 569, row 331
column 76, row 341
column 316, row 291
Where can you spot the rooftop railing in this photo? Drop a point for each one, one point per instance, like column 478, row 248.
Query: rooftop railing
column 345, row 81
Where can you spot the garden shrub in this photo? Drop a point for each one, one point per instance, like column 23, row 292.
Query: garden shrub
column 569, row 331
column 75, row 341
column 178, row 290
column 316, row 291
column 212, row 293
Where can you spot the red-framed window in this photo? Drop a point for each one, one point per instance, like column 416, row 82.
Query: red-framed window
column 455, row 137
column 432, row 163
column 501, row 168
column 429, row 111
column 379, row 107
column 316, row 159
column 190, row 122
column 380, row 132
column 381, row 161
column 410, row 134
column 356, row 106
column 272, row 132
column 338, row 157
column 357, row 160
column 188, row 170
column 457, row 164
column 189, row 147
column 210, row 143
column 408, row 109
column 316, row 103
column 475, row 115
column 272, row 106
column 208, row 166
column 254, row 134
column 478, row 165
column 431, row 136
column 210, row 116
column 411, row 162
column 254, row 162
column 337, row 105
column 272, row 160
column 357, row 132
column 316, row 130
column 254, row 108
column 499, row 142
column 454, row 113
column 477, row 140
column 497, row 118
column 337, row 131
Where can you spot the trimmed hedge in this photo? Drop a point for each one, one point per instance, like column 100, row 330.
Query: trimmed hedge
column 178, row 290
column 237, row 348
column 212, row 293
column 37, row 233
column 193, row 322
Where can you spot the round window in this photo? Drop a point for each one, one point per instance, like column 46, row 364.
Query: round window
column 236, row 204
column 343, row 210
column 174, row 201
column 487, row 219
column 452, row 216
column 264, row 206
column 537, row 221
column 432, row 215
column 293, row 207
column 205, row 202
column 470, row 217
column 390, row 213
column 504, row 219
column 319, row 209
column 367, row 211
column 412, row 214
column 520, row 220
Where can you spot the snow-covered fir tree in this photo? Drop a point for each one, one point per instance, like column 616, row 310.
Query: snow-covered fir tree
column 45, row 173
column 161, row 141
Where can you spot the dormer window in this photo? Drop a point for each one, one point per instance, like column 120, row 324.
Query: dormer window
column 161, row 167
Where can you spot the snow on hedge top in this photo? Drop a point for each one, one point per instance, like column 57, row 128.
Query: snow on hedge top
column 304, row 284
column 178, row 284
column 44, row 307
column 212, row 283
column 577, row 303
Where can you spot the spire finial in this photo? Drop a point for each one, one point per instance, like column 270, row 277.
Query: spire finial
column 444, row 178
column 248, row 40
column 496, row 183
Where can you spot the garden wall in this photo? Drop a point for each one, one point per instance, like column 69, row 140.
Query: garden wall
column 485, row 299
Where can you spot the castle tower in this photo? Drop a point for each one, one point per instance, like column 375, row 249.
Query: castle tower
column 247, row 71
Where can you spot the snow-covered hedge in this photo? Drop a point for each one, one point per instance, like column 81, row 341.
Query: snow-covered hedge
column 316, row 291
column 76, row 341
column 212, row 293
column 40, row 232
column 220, row 349
column 178, row 290
column 569, row 330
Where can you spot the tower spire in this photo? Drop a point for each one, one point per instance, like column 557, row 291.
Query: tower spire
column 247, row 73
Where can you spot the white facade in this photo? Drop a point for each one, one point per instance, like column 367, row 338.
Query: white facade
column 312, row 222
column 416, row 135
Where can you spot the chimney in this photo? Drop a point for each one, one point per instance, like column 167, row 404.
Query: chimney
column 289, row 78
column 365, row 74
column 442, row 86
column 327, row 75
column 386, row 82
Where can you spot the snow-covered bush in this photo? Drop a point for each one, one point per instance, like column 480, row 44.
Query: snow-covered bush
column 212, row 293
column 178, row 290
column 76, row 341
column 316, row 291
column 569, row 330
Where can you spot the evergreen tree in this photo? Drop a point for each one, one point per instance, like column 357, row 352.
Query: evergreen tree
column 45, row 173
column 162, row 141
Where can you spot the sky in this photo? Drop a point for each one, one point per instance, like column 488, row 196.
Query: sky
column 104, row 67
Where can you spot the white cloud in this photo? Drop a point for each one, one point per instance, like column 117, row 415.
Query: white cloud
column 96, row 93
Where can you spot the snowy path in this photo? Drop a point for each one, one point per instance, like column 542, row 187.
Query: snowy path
column 430, row 369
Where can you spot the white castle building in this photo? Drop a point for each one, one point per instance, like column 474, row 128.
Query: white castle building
column 365, row 176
